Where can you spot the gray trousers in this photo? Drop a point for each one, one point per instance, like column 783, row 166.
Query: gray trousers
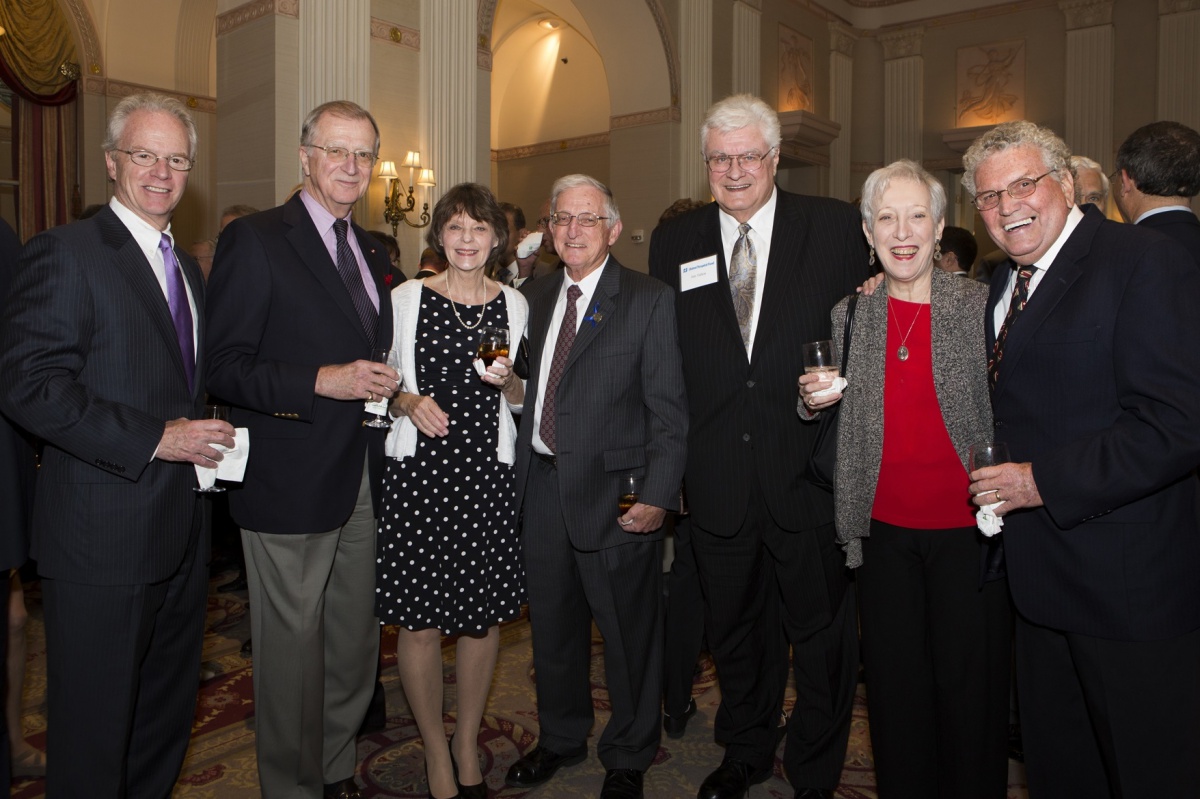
column 316, row 643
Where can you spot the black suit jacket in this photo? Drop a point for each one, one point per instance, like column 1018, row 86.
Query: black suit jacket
column 1100, row 389
column 620, row 402
column 90, row 364
column 18, row 464
column 744, row 429
column 278, row 311
column 1183, row 226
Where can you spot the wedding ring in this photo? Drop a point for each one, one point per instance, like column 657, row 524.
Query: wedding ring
column 370, row 396
column 624, row 524
column 998, row 497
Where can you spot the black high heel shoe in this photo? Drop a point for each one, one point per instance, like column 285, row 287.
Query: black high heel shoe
column 476, row 791
column 454, row 766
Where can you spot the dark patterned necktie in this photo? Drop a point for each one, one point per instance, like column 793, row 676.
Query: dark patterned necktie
column 181, row 312
column 743, row 268
column 562, row 348
column 347, row 267
column 1016, row 304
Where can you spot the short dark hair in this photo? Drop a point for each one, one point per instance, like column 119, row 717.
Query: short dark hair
column 680, row 207
column 517, row 214
column 475, row 201
column 962, row 243
column 1163, row 159
column 388, row 241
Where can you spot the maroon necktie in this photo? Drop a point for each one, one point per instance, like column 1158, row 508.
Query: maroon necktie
column 1016, row 304
column 562, row 349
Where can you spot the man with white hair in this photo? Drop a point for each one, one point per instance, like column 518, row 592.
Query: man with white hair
column 757, row 273
column 1096, row 392
column 1091, row 184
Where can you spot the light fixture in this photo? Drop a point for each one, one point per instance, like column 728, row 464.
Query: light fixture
column 551, row 24
column 396, row 205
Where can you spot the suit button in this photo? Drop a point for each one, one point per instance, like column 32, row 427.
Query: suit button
column 998, row 424
column 745, row 436
column 749, row 384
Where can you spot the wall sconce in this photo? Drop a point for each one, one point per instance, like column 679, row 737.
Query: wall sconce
column 396, row 205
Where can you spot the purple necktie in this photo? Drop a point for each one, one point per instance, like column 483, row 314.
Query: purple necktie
column 181, row 312
column 548, row 429
column 347, row 267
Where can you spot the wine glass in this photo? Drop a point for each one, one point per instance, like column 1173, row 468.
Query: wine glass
column 378, row 407
column 493, row 344
column 818, row 359
column 220, row 412
column 987, row 453
column 630, row 492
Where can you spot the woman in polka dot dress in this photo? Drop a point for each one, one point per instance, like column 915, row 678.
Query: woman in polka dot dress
column 449, row 555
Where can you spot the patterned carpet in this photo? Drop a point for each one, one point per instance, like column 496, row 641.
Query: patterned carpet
column 221, row 764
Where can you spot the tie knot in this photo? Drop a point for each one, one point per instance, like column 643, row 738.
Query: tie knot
column 339, row 229
column 164, row 243
column 574, row 293
column 743, row 229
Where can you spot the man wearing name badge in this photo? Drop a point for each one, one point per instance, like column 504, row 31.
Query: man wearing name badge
column 757, row 273
column 298, row 304
column 605, row 397
column 102, row 357
column 1096, row 392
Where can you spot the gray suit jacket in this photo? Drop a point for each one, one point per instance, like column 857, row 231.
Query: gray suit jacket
column 89, row 362
column 621, row 405
column 959, row 379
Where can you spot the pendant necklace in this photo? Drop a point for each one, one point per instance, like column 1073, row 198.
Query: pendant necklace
column 453, row 307
column 902, row 351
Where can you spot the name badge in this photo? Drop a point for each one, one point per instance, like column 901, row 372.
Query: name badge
column 700, row 272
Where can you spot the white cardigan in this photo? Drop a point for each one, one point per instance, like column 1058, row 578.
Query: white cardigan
column 406, row 307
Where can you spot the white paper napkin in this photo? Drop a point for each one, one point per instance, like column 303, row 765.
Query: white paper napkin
column 987, row 521
column 839, row 384
column 233, row 466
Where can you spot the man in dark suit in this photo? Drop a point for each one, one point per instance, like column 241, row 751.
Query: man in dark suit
column 1096, row 391
column 605, row 397
column 102, row 356
column 1158, row 172
column 757, row 273
column 298, row 305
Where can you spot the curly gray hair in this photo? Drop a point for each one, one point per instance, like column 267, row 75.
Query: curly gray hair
column 1055, row 153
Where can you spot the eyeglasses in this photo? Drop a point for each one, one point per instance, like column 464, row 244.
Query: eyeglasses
column 586, row 219
column 749, row 162
column 337, row 155
column 1019, row 188
column 179, row 163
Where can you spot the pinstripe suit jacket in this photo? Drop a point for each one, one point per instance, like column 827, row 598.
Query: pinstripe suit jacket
column 90, row 363
column 620, row 402
column 1183, row 226
column 744, row 429
column 1100, row 390
column 18, row 465
column 278, row 311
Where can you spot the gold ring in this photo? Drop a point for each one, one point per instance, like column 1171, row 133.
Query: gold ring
column 998, row 497
column 370, row 396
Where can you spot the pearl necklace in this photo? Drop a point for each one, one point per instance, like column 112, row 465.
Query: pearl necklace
column 453, row 307
column 902, row 351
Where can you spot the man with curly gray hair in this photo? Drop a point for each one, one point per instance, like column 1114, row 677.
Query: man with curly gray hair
column 1100, row 414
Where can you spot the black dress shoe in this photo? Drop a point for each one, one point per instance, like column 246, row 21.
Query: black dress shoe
column 676, row 726
column 540, row 765
column 248, row 648
column 622, row 783
column 731, row 780
column 343, row 789
column 813, row 793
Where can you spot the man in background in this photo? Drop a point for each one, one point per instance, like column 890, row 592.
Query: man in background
column 1091, row 184
column 958, row 251
column 1158, row 173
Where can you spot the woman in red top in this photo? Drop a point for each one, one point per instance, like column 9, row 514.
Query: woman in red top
column 935, row 637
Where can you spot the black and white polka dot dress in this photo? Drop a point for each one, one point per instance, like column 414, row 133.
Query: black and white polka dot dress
column 449, row 555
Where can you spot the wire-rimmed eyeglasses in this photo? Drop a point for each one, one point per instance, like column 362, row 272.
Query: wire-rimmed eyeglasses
column 586, row 219
column 337, row 155
column 1018, row 189
column 720, row 163
column 180, row 163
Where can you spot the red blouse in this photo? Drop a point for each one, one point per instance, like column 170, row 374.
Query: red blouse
column 922, row 483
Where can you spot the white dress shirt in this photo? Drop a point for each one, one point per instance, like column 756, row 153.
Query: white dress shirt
column 761, row 226
column 1074, row 217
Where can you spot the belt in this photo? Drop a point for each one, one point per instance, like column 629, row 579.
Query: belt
column 552, row 460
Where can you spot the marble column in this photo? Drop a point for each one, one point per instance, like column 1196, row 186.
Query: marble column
column 841, row 93
column 903, row 93
column 1178, row 78
column 335, row 37
column 695, row 94
column 1089, row 84
column 449, row 91
column 747, row 46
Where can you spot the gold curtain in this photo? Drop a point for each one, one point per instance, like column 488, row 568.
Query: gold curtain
column 38, row 41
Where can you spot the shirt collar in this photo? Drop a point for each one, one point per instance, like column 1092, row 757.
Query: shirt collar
column 1074, row 217
column 762, row 223
column 587, row 286
column 1162, row 209
column 146, row 235
column 319, row 213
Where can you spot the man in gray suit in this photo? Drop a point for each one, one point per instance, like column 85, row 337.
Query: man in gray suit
column 606, row 398
column 102, row 356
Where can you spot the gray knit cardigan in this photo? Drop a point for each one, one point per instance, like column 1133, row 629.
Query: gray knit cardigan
column 960, row 381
